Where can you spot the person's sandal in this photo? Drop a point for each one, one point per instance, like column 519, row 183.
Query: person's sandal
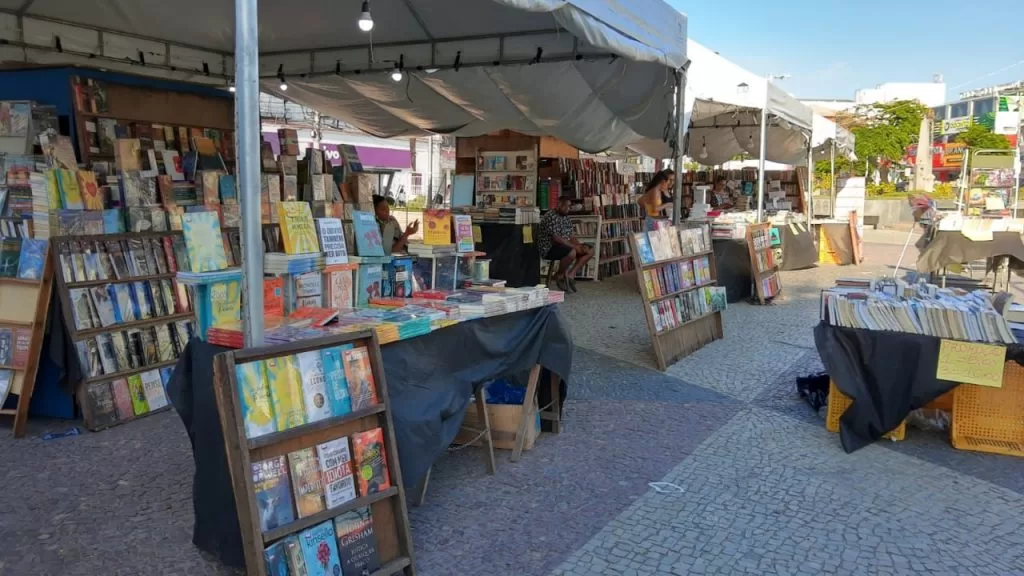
column 562, row 284
column 572, row 285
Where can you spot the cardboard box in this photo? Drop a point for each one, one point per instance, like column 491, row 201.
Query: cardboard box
column 504, row 420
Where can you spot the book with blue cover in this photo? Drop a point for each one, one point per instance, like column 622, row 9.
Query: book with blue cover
column 320, row 550
column 334, row 377
column 113, row 222
column 275, row 557
column 33, row 255
column 368, row 240
column 371, row 278
column 273, row 492
column 254, row 393
column 398, row 278
column 644, row 247
column 227, row 189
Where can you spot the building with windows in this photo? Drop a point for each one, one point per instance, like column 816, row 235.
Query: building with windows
column 972, row 107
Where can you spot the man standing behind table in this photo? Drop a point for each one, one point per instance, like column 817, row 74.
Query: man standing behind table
column 557, row 241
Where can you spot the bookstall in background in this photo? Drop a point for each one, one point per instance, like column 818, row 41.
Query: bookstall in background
column 506, row 178
column 128, row 317
column 677, row 277
column 26, row 281
column 764, row 270
column 786, row 185
column 311, row 448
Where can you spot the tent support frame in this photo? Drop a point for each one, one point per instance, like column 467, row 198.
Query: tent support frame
column 677, row 160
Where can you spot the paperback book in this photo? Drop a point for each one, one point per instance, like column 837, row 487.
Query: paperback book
column 254, row 394
column 297, row 230
column 370, row 462
column 285, row 392
column 357, row 543
column 334, row 379
column 204, row 241
column 336, row 472
column 320, row 550
column 306, row 483
column 273, row 493
column 358, row 373
column 317, row 405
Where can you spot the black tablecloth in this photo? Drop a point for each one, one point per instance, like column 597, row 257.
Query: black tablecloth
column 511, row 259
column 798, row 249
column 430, row 380
column 732, row 263
column 945, row 247
column 887, row 374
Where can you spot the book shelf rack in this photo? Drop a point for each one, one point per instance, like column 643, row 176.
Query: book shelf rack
column 388, row 507
column 764, row 269
column 24, row 307
column 615, row 256
column 588, row 231
column 681, row 316
column 506, row 178
column 120, row 354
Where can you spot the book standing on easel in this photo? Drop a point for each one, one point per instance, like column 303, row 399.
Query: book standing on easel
column 764, row 269
column 676, row 274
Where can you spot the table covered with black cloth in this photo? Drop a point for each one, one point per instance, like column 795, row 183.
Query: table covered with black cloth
column 798, row 249
column 945, row 247
column 732, row 266
column 430, row 380
column 512, row 260
column 887, row 374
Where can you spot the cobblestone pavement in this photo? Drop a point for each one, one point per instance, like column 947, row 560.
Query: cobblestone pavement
column 765, row 489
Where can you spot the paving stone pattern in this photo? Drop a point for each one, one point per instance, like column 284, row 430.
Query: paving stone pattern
column 765, row 489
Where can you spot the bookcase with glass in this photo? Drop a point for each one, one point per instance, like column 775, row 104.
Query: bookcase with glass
column 677, row 275
column 764, row 269
column 506, row 178
column 314, row 468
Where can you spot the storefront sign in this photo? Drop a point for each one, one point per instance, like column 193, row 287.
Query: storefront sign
column 956, row 125
column 952, row 155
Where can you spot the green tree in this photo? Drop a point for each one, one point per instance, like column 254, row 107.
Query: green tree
column 844, row 168
column 883, row 131
column 980, row 137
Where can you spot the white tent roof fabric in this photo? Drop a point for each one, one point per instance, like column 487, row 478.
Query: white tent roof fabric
column 593, row 103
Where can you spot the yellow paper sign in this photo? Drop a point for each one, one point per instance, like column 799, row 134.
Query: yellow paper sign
column 527, row 234
column 478, row 234
column 971, row 362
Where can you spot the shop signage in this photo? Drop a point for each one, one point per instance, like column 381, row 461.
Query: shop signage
column 1008, row 115
column 956, row 125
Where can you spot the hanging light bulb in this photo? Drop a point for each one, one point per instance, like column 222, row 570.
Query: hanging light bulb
column 365, row 19
column 703, row 148
column 750, row 141
column 284, row 85
column 396, row 74
column 231, row 88
column 280, row 76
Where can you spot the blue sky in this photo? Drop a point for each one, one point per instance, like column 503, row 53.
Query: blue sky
column 817, row 42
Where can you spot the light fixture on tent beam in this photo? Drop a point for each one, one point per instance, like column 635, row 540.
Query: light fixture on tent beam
column 703, row 147
column 396, row 74
column 365, row 19
column 280, row 76
column 231, row 86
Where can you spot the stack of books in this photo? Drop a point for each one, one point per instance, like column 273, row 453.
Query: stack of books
column 476, row 304
column 281, row 263
column 421, row 249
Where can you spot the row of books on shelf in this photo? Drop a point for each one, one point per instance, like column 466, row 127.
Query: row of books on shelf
column 688, row 306
column 761, row 237
column 765, row 260
column 508, row 183
column 617, row 206
column 614, row 249
column 126, row 398
column 22, row 258
column 14, row 346
column 505, row 161
column 584, row 226
column 677, row 277
column 610, row 268
column 771, row 286
column 503, row 215
column 133, row 349
column 921, row 309
column 620, row 229
column 668, row 242
column 107, row 305
column 344, row 545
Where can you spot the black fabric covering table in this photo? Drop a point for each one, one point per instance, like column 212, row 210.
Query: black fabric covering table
column 945, row 247
column 512, row 260
column 798, row 249
column 430, row 380
column 732, row 262
column 887, row 374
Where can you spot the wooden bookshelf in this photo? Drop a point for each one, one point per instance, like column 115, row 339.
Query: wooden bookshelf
column 588, row 231
column 25, row 305
column 764, row 268
column 388, row 507
column 694, row 331
column 165, row 358
column 511, row 165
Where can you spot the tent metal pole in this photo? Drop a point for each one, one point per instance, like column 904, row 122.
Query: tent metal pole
column 764, row 144
column 677, row 202
column 832, row 197
column 808, row 209
column 247, row 127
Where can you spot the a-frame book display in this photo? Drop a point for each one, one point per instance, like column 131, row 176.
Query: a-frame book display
column 764, row 269
column 677, row 276
column 317, row 488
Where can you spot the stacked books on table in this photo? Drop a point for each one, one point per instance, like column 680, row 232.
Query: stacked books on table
column 281, row 263
column 428, row 250
column 924, row 309
column 477, row 304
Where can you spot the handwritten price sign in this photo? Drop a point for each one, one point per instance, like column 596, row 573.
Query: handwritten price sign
column 971, row 362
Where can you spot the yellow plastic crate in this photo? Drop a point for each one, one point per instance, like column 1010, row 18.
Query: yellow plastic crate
column 839, row 402
column 991, row 419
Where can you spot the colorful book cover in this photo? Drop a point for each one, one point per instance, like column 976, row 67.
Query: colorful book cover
column 113, row 221
column 254, row 394
column 285, row 392
column 358, row 374
column 273, row 296
column 296, row 562
column 228, row 194
column 52, row 190
column 368, row 240
column 397, row 278
column 92, row 194
column 335, row 381
column 273, row 492
column 437, row 227
column 225, row 303
column 332, row 239
column 320, row 550
column 138, row 392
column 357, row 543
column 371, row 278
column 340, row 291
column 203, row 241
column 122, row 396
column 306, row 485
column 336, row 472
column 644, row 246
column 153, row 386
column 31, row 259
column 275, row 559
column 7, row 347
column 298, row 232
column 371, row 464
column 463, row 232
column 210, row 180
column 314, row 390
column 71, row 196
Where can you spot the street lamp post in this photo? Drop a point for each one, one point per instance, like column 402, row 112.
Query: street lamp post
column 764, row 141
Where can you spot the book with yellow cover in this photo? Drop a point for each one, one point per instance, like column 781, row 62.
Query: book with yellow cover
column 53, row 190
column 254, row 394
column 92, row 196
column 437, row 227
column 225, row 303
column 297, row 229
column 286, row 392
column 69, row 192
column 203, row 241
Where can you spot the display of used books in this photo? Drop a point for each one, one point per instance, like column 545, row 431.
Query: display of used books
column 668, row 242
column 926, row 309
column 674, row 312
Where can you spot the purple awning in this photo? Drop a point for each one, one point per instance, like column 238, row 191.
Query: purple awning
column 370, row 156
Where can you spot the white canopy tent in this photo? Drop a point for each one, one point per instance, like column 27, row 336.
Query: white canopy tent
column 595, row 73
column 827, row 134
